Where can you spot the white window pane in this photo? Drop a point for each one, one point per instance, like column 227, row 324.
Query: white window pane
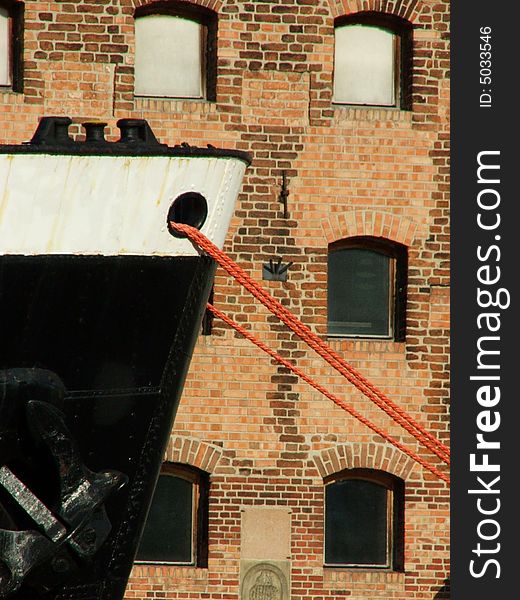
column 5, row 46
column 364, row 66
column 168, row 57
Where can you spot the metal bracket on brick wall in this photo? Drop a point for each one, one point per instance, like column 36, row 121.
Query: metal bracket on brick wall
column 275, row 271
column 284, row 194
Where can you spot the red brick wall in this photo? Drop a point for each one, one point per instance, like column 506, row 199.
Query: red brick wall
column 265, row 437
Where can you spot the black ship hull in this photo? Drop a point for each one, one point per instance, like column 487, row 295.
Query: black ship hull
column 100, row 307
column 118, row 332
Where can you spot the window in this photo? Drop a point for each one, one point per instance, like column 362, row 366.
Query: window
column 175, row 51
column 364, row 520
column 11, row 37
column 372, row 60
column 366, row 294
column 177, row 524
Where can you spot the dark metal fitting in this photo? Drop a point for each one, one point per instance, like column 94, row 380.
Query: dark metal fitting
column 275, row 271
column 52, row 131
column 95, row 132
column 136, row 131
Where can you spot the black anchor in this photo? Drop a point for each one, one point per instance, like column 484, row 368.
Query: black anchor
column 75, row 527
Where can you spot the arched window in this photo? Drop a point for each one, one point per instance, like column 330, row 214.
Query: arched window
column 364, row 520
column 366, row 293
column 175, row 50
column 176, row 531
column 373, row 60
column 11, row 42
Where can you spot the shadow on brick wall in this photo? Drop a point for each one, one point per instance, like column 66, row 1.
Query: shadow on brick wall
column 444, row 592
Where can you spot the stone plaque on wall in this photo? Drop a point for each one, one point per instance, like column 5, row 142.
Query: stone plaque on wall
column 264, row 580
column 265, row 553
column 266, row 533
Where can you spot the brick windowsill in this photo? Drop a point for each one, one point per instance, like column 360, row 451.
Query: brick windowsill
column 337, row 578
column 352, row 112
column 174, row 105
column 172, row 572
column 376, row 345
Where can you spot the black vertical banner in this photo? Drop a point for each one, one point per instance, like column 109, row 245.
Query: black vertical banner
column 485, row 513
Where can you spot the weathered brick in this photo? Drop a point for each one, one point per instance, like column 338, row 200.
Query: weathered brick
column 351, row 171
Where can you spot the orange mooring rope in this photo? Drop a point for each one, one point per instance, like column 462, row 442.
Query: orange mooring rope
column 332, row 358
column 352, row 411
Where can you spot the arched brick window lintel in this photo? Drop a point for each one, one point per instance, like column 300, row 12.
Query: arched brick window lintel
column 194, row 452
column 377, row 224
column 382, row 457
column 375, row 18
column 409, row 10
column 212, row 5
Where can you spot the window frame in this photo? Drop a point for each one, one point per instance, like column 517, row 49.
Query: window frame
column 199, row 524
column 15, row 11
column 395, row 529
column 205, row 17
column 398, row 274
column 403, row 54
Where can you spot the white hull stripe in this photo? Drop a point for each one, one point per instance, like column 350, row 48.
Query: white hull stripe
column 109, row 205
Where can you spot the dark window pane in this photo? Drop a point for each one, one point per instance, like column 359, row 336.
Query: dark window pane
column 358, row 292
column 168, row 533
column 356, row 523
